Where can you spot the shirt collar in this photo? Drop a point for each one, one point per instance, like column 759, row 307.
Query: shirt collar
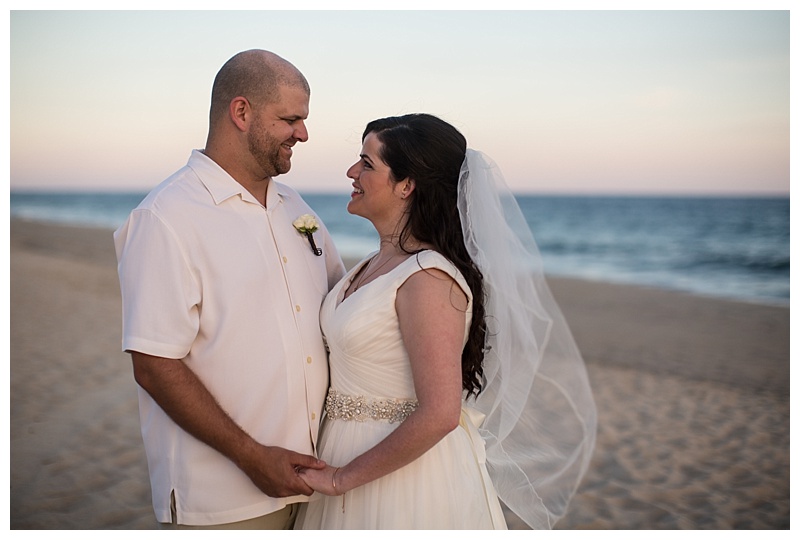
column 222, row 186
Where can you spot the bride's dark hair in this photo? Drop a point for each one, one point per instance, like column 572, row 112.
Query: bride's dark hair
column 430, row 151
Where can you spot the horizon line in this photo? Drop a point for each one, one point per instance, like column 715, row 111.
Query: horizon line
column 525, row 192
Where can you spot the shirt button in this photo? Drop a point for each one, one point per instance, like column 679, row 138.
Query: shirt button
column 297, row 308
column 285, row 259
column 308, row 359
column 313, row 416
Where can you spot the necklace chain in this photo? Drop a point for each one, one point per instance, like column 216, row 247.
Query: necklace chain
column 365, row 274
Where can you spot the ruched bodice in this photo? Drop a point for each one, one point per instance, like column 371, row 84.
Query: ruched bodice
column 367, row 355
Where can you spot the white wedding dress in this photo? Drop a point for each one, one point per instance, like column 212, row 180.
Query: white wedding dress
column 371, row 390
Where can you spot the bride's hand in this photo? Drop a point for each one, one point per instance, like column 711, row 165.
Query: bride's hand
column 321, row 480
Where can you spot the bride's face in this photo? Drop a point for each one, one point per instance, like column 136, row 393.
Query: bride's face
column 376, row 196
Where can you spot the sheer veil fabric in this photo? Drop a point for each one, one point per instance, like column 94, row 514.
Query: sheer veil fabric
column 540, row 418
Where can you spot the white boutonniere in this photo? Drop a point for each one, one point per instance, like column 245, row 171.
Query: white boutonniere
column 307, row 225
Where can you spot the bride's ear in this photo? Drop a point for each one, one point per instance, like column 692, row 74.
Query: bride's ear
column 407, row 189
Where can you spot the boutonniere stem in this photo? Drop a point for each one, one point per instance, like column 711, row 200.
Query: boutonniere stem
column 307, row 225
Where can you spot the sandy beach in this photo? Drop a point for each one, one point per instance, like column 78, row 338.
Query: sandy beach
column 692, row 396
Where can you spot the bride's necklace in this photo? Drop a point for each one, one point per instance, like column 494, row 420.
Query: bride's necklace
column 365, row 274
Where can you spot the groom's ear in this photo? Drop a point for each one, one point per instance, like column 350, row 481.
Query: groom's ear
column 240, row 111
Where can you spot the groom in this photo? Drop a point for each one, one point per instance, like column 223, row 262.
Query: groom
column 220, row 299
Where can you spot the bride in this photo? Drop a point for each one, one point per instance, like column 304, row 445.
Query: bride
column 454, row 378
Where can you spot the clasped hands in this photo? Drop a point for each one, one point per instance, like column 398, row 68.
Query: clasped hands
column 283, row 473
column 322, row 480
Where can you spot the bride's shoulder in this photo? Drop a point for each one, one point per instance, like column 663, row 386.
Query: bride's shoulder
column 430, row 258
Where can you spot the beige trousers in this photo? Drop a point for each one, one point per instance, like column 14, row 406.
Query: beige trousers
column 283, row 519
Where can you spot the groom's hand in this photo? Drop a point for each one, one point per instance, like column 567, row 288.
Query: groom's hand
column 274, row 470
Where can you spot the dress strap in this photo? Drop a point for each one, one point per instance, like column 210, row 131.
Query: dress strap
column 428, row 259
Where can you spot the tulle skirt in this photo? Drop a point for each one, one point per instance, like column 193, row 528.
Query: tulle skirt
column 446, row 488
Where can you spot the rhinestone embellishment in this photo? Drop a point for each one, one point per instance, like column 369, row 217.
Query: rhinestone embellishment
column 359, row 408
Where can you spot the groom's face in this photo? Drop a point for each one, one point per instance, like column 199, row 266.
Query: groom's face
column 276, row 128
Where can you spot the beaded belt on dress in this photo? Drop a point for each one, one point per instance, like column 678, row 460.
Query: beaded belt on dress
column 359, row 408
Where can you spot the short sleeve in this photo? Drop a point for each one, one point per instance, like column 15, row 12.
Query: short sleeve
column 160, row 296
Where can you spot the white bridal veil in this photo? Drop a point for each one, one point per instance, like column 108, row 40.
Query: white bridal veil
column 540, row 415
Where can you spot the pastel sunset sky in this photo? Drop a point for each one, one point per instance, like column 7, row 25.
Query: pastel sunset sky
column 574, row 101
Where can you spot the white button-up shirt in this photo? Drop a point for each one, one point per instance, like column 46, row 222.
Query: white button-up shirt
column 211, row 276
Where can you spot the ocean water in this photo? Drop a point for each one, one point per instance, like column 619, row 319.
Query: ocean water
column 736, row 248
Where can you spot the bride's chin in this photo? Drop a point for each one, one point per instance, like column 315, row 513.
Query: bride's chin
column 353, row 209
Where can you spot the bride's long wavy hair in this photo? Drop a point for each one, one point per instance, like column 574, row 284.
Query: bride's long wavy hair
column 430, row 151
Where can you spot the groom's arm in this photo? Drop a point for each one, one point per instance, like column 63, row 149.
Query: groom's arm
column 178, row 391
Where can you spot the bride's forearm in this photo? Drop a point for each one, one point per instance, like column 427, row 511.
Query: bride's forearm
column 420, row 432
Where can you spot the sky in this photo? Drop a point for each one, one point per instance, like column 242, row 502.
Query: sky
column 688, row 102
